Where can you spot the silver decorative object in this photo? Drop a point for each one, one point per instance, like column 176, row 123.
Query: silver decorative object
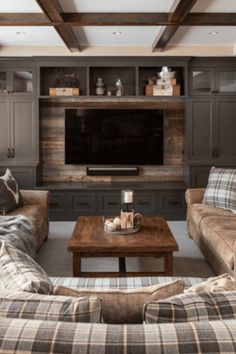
column 119, row 87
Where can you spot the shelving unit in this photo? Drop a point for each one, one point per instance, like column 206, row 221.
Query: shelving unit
column 134, row 75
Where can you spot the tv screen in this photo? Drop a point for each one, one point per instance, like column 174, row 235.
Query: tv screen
column 114, row 136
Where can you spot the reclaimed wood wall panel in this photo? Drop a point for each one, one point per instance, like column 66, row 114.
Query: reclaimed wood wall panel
column 52, row 151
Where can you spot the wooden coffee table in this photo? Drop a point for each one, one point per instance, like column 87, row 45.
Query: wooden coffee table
column 154, row 239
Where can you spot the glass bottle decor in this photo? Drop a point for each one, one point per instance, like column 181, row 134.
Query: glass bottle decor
column 119, row 87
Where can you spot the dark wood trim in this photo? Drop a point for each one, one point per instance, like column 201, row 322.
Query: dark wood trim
column 23, row 19
column 117, row 19
column 210, row 19
column 179, row 14
column 53, row 10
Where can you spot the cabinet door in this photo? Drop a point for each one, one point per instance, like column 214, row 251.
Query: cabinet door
column 202, row 81
column 4, row 130
column 226, row 129
column 109, row 203
column 200, row 133
column 4, row 82
column 82, row 203
column 145, row 202
column 226, row 81
column 23, row 132
column 22, row 81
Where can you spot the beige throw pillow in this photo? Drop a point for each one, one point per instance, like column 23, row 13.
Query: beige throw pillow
column 223, row 282
column 125, row 306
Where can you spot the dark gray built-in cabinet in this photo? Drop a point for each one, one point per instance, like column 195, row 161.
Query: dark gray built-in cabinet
column 208, row 92
column 19, row 120
column 210, row 118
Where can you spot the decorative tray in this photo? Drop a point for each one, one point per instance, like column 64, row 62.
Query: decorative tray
column 123, row 231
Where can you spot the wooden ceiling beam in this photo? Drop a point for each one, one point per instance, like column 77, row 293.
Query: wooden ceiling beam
column 52, row 9
column 115, row 19
column 181, row 11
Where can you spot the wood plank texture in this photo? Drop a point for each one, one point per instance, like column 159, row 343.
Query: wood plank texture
column 52, row 151
column 118, row 19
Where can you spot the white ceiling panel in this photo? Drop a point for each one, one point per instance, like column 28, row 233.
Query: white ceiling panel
column 34, row 36
column 117, row 5
column 19, row 6
column 95, row 36
column 214, row 6
column 199, row 35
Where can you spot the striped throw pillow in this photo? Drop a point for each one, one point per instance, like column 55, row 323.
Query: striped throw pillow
column 20, row 272
column 221, row 189
column 192, row 307
column 19, row 304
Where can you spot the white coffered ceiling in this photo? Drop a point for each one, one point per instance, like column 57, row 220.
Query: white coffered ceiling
column 102, row 36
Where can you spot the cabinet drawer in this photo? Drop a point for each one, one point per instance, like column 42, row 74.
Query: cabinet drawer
column 82, row 204
column 57, row 206
column 145, row 203
column 109, row 203
column 172, row 205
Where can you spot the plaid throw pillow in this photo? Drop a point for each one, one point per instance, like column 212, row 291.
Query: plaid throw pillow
column 221, row 189
column 49, row 307
column 20, row 272
column 192, row 307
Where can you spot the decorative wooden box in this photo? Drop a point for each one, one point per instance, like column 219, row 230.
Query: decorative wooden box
column 166, row 90
column 149, row 90
column 63, row 91
column 166, row 82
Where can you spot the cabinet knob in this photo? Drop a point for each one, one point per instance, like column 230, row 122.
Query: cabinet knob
column 214, row 91
column 8, row 153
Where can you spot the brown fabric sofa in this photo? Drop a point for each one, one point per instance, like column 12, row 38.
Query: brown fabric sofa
column 36, row 208
column 213, row 229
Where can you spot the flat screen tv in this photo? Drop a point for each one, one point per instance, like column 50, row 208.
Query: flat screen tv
column 114, row 136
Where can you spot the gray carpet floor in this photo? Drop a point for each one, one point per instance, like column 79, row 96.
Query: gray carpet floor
column 57, row 261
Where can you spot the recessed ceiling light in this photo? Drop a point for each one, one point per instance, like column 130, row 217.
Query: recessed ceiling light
column 20, row 33
column 213, row 33
column 117, row 33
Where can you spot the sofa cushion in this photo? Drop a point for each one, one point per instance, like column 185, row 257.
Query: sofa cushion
column 10, row 197
column 204, row 306
column 223, row 282
column 125, row 306
column 48, row 307
column 36, row 213
column 221, row 189
column 220, row 233
column 20, row 272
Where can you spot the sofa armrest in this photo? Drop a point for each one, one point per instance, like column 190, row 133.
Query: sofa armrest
column 194, row 195
column 35, row 197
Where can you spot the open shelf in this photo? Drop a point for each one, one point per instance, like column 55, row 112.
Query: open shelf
column 110, row 75
column 48, row 77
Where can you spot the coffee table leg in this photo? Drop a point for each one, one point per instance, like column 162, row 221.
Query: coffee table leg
column 122, row 266
column 76, row 264
column 168, row 264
